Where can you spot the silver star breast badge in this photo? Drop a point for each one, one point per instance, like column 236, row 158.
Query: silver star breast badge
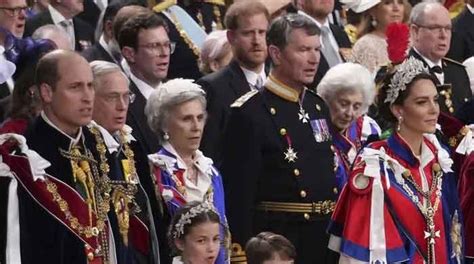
column 290, row 155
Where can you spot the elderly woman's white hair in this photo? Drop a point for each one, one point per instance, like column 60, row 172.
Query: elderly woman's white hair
column 214, row 47
column 348, row 77
column 167, row 96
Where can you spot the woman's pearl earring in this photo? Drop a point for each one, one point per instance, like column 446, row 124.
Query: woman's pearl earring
column 400, row 120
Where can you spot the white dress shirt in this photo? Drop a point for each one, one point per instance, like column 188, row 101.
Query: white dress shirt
column 58, row 18
column 252, row 77
column 144, row 88
column 431, row 64
column 332, row 39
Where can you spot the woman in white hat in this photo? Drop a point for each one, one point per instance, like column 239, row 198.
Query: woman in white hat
column 370, row 49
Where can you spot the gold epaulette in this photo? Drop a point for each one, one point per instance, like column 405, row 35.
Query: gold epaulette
column 453, row 61
column 244, row 98
column 215, row 2
column 164, row 5
column 238, row 254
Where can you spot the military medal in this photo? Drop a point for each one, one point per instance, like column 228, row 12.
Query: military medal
column 303, row 116
column 290, row 154
column 320, row 130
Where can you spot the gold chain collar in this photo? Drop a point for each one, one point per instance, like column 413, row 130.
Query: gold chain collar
column 123, row 192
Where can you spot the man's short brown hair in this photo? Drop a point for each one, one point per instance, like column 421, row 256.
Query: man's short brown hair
column 245, row 8
column 266, row 245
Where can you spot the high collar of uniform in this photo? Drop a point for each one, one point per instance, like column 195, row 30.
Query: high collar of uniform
column 282, row 90
column 60, row 137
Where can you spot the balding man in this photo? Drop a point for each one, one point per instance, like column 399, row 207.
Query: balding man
column 63, row 14
column 54, row 33
column 63, row 215
column 430, row 31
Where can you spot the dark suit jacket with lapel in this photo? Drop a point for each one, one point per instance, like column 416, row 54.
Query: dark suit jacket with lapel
column 342, row 41
column 147, row 143
column 222, row 89
column 97, row 52
column 456, row 75
column 83, row 33
column 137, row 120
column 90, row 14
column 463, row 24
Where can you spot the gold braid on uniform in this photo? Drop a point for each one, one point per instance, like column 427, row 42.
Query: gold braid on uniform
column 161, row 7
column 96, row 199
column 185, row 36
column 123, row 192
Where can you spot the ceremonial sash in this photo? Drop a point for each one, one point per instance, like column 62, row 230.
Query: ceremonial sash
column 185, row 23
column 38, row 190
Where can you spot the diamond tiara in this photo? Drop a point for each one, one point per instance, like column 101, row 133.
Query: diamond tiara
column 404, row 74
column 187, row 218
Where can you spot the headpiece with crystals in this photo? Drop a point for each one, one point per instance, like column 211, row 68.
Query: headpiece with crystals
column 187, row 218
column 404, row 74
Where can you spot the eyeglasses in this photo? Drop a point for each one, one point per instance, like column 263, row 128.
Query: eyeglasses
column 436, row 28
column 115, row 98
column 160, row 48
column 14, row 11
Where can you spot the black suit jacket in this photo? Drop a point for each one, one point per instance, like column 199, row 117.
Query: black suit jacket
column 463, row 25
column 90, row 14
column 83, row 32
column 222, row 89
column 454, row 74
column 97, row 52
column 147, row 143
column 4, row 90
column 342, row 41
column 136, row 119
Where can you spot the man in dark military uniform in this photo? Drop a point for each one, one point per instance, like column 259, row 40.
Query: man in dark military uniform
column 278, row 164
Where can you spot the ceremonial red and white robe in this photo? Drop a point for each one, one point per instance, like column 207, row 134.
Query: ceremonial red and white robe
column 377, row 217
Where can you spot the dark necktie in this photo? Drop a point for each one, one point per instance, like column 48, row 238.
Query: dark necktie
column 437, row 69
